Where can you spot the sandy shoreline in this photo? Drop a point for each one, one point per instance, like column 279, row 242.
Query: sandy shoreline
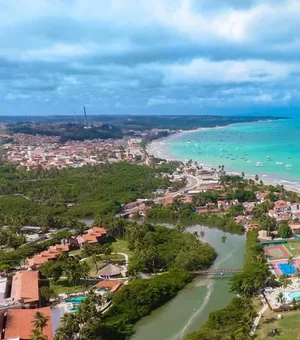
column 156, row 148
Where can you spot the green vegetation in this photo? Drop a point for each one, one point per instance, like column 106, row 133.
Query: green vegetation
column 172, row 254
column 235, row 321
column 288, row 326
column 99, row 189
column 138, row 299
column 157, row 248
column 63, row 286
column 16, row 257
column 255, row 271
column 284, row 230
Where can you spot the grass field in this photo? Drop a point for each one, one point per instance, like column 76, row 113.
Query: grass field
column 62, row 286
column 121, row 246
column 288, row 326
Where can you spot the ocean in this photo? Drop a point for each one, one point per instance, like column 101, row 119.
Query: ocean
column 270, row 149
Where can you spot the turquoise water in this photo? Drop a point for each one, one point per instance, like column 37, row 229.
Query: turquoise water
column 294, row 295
column 239, row 147
column 76, row 299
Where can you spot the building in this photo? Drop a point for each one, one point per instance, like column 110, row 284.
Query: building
column 111, row 271
column 111, row 286
column 281, row 206
column 52, row 253
column 17, row 324
column 93, row 236
column 25, row 289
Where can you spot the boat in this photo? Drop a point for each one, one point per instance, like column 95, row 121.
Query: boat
column 278, row 163
column 288, row 166
column 259, row 164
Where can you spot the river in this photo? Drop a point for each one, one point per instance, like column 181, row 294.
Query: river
column 190, row 308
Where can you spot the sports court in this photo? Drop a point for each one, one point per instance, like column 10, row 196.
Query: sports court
column 277, row 251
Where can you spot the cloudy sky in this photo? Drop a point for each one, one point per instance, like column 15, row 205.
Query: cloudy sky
column 149, row 56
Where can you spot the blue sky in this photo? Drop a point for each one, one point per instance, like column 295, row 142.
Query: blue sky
column 149, row 56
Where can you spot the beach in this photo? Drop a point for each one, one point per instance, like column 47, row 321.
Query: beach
column 239, row 147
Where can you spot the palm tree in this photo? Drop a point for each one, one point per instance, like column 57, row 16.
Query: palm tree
column 40, row 321
column 37, row 335
column 281, row 299
column 291, row 261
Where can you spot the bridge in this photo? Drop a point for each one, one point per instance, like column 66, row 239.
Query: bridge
column 217, row 272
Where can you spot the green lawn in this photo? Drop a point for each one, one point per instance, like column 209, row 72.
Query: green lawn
column 293, row 248
column 121, row 246
column 62, row 286
column 288, row 326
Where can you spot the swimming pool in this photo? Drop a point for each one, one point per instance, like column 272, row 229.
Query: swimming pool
column 287, row 269
column 289, row 296
column 76, row 299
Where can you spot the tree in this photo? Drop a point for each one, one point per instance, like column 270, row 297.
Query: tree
column 47, row 293
column 281, row 299
column 37, row 335
column 40, row 321
column 284, row 230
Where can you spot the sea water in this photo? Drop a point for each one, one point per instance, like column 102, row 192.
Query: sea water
column 267, row 148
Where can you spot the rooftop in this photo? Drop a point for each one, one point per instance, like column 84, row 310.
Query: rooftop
column 19, row 323
column 25, row 286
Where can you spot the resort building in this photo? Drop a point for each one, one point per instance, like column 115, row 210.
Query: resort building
column 25, row 289
column 17, row 324
column 95, row 235
column 52, row 253
column 111, row 271
column 111, row 286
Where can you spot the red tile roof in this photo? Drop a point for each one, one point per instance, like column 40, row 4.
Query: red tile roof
column 25, row 287
column 112, row 285
column 19, row 323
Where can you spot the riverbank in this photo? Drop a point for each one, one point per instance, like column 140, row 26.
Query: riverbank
column 211, row 148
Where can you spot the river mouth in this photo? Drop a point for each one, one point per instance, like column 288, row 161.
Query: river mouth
column 191, row 307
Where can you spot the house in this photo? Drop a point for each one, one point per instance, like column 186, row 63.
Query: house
column 281, row 206
column 249, row 206
column 52, row 253
column 93, row 236
column 17, row 324
column 261, row 196
column 25, row 289
column 109, row 286
column 111, row 271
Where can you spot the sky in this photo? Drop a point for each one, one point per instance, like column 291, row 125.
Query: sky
column 149, row 56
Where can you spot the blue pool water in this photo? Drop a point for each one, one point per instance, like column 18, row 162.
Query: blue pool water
column 76, row 299
column 287, row 269
column 294, row 295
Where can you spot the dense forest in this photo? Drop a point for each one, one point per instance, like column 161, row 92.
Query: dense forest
column 80, row 192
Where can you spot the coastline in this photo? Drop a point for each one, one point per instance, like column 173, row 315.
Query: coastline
column 156, row 148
